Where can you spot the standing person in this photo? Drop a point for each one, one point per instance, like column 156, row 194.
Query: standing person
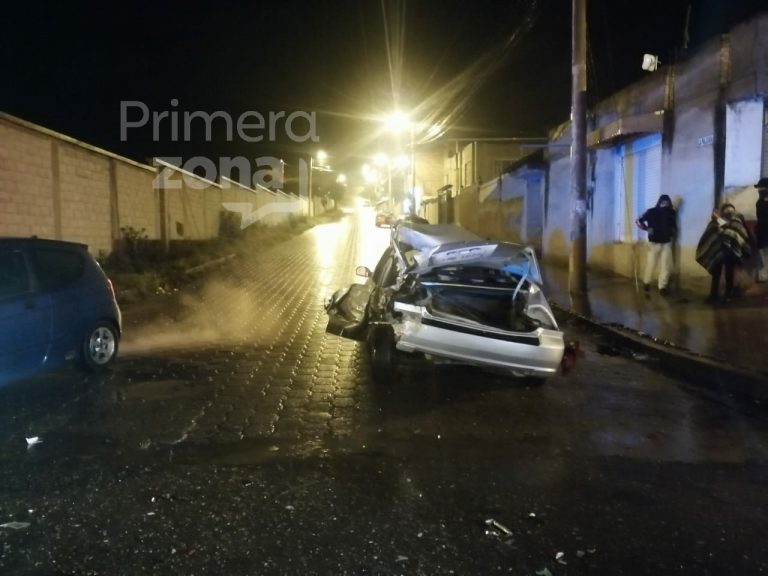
column 724, row 244
column 761, row 211
column 661, row 224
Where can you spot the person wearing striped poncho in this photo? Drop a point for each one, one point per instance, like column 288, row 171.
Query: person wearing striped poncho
column 725, row 243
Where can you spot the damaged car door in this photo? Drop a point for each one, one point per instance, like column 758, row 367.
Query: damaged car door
column 351, row 311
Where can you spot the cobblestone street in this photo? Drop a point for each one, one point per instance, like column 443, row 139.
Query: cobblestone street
column 235, row 436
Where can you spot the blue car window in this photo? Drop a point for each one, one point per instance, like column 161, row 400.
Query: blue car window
column 57, row 268
column 14, row 278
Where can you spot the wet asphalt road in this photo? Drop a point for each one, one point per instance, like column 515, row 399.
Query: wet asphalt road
column 235, row 437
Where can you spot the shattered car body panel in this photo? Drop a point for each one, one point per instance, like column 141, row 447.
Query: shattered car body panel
column 455, row 297
column 349, row 308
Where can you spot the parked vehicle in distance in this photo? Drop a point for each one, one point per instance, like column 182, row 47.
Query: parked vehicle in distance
column 411, row 218
column 384, row 219
column 56, row 305
column 444, row 292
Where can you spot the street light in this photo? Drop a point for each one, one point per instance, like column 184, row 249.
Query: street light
column 398, row 122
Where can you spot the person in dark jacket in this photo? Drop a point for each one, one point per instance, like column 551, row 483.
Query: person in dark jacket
column 726, row 242
column 661, row 224
column 761, row 232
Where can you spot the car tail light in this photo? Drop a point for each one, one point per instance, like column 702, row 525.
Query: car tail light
column 111, row 288
column 571, row 356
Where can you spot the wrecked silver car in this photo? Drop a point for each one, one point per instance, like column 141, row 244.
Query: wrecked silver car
column 444, row 292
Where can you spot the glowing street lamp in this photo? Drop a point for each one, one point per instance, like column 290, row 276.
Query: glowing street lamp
column 398, row 122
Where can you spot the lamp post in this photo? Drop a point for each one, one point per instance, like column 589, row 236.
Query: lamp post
column 384, row 160
column 398, row 122
column 321, row 157
column 413, row 168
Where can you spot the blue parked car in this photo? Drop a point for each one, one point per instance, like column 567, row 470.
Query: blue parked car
column 56, row 306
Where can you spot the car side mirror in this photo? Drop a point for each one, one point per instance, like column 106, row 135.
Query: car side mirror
column 363, row 271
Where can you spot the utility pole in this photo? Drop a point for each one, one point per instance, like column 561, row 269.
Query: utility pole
column 413, row 170
column 310, row 206
column 577, row 269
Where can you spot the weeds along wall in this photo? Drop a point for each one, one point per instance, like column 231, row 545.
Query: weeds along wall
column 53, row 186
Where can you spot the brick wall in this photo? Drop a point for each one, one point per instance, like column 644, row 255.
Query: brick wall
column 53, row 186
column 26, row 184
column 85, row 198
column 137, row 199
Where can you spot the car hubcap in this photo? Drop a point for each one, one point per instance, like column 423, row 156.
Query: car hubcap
column 101, row 345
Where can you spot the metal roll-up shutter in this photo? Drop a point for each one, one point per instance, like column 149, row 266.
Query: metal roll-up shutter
column 638, row 182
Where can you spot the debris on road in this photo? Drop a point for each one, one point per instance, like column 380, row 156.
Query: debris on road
column 33, row 440
column 15, row 525
column 497, row 526
column 543, row 572
column 559, row 557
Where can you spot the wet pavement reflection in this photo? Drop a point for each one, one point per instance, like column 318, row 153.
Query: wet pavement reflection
column 735, row 333
column 235, row 437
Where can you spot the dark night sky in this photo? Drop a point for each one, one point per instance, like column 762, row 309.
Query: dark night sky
column 68, row 65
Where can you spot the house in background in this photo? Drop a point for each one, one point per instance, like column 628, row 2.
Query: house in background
column 494, row 187
column 695, row 130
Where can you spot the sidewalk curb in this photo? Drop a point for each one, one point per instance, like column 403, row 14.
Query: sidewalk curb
column 709, row 374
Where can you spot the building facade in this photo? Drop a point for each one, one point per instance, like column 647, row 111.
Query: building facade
column 695, row 130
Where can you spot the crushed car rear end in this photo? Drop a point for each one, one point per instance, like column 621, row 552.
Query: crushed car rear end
column 477, row 302
column 444, row 292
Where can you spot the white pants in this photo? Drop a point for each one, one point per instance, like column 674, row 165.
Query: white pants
column 654, row 249
column 762, row 265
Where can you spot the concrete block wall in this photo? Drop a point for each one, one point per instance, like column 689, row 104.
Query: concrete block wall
column 85, row 198
column 53, row 186
column 26, row 184
column 137, row 199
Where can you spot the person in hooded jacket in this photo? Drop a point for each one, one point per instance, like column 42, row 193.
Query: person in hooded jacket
column 661, row 224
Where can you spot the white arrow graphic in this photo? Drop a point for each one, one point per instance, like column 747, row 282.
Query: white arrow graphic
column 248, row 215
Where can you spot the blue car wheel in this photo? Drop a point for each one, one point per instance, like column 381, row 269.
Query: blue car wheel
column 100, row 346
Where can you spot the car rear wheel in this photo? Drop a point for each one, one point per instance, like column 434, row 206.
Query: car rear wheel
column 381, row 348
column 99, row 347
